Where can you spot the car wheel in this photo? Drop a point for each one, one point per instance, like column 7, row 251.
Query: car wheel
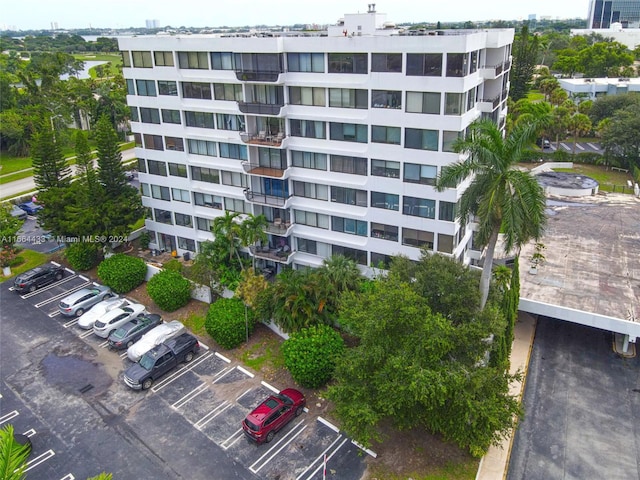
column 58, row 276
column 270, row 436
column 147, row 384
column 32, row 288
column 188, row 357
column 129, row 343
column 299, row 410
column 79, row 312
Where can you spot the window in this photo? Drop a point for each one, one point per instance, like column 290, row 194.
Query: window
column 348, row 132
column 174, row 143
column 305, row 62
column 157, row 168
column 137, row 138
column 167, row 87
column 131, row 90
column 473, row 64
column 180, row 195
column 258, row 62
column 447, row 211
column 358, row 256
column 386, row 99
column 421, row 139
column 308, row 128
column 199, row 119
column 186, row 244
column 424, row 174
column 457, row 64
column 354, row 165
column 162, row 216
column 207, row 200
column 205, row 174
column 445, row 243
column 307, row 246
column 386, row 62
column 161, row 193
column 204, row 224
column 233, row 150
column 133, row 114
column 381, row 134
column 311, row 219
column 423, row 102
column 310, row 190
column 349, row 196
column 348, row 98
column 142, row 165
column 419, row 207
column 183, row 220
column 272, row 158
column 448, row 139
column 349, row 225
column 388, row 201
column 163, row 59
column 348, row 63
column 424, row 64
column 145, row 190
column 380, row 260
column 222, row 61
column 126, row 59
column 146, row 88
column 202, row 147
column 471, row 98
column 453, row 103
column 196, row 90
column 193, row 60
column 142, row 59
column 417, row 238
column 149, row 115
column 177, row 170
column 228, row 91
column 234, row 179
column 385, row 168
column 171, row 116
column 235, row 205
column 153, row 142
column 230, row 122
column 312, row 160
column 384, row 232
column 312, row 96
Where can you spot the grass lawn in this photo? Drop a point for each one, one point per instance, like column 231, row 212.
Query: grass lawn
column 466, row 471
column 114, row 60
column 599, row 173
column 195, row 323
column 535, row 96
column 31, row 259
column 10, row 164
column 270, row 355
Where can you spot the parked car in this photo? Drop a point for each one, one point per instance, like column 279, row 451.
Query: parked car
column 17, row 212
column 546, row 143
column 154, row 337
column 129, row 175
column 30, row 207
column 79, row 302
column 114, row 319
column 130, row 332
column 272, row 415
column 87, row 319
column 37, row 277
column 160, row 360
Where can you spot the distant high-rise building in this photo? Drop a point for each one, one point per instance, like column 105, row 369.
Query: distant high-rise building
column 54, row 25
column 152, row 23
column 603, row 13
column 532, row 17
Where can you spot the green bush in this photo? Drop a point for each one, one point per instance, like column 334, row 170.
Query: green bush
column 169, row 290
column 226, row 322
column 145, row 239
column 82, row 256
column 310, row 355
column 16, row 261
column 173, row 264
column 122, row 273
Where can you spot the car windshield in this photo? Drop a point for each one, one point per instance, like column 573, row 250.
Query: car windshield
column 286, row 400
column 147, row 362
column 120, row 333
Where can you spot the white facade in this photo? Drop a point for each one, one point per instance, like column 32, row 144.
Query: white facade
column 323, row 135
column 592, row 88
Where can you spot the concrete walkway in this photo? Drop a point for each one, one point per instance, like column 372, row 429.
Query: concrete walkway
column 494, row 464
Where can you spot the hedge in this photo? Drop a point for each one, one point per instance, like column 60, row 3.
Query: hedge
column 122, row 273
column 82, row 256
column 226, row 322
column 169, row 290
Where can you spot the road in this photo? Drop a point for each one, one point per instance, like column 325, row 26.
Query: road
column 25, row 185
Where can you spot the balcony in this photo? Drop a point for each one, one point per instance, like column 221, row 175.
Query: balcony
column 260, row 108
column 489, row 104
column 278, row 227
column 253, row 169
column 280, row 254
column 263, row 139
column 264, row 199
column 258, row 75
column 490, row 72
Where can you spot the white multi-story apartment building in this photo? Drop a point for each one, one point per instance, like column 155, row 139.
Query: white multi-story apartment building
column 336, row 138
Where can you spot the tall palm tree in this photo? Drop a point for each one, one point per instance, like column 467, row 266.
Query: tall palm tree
column 579, row 124
column 13, row 456
column 252, row 231
column 501, row 197
column 228, row 228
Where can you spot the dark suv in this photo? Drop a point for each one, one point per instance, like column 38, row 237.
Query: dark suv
column 272, row 415
column 35, row 278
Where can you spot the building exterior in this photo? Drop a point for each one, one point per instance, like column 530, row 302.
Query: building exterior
column 592, row 88
column 604, row 13
column 336, row 138
column 626, row 36
column 151, row 24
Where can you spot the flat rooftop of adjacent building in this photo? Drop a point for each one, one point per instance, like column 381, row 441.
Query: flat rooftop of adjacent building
column 592, row 256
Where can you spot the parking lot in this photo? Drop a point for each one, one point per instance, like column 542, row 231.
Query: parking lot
column 64, row 387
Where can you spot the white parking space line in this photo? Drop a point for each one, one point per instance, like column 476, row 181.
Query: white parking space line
column 123, row 354
column 11, row 289
column 565, row 146
column 55, row 313
column 200, row 424
column 321, row 458
column 237, row 435
column 86, row 334
column 329, row 424
column 48, row 287
column 593, row 146
column 29, row 433
column 34, row 462
column 104, row 344
column 222, row 357
column 579, row 146
column 8, row 416
column 68, row 476
column 179, row 373
column 190, row 396
column 273, row 389
column 55, row 264
column 245, row 392
column 62, row 295
column 70, row 271
column 223, row 375
column 70, row 323
column 284, row 444
column 246, row 372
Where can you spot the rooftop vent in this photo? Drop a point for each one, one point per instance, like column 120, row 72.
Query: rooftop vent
column 372, row 8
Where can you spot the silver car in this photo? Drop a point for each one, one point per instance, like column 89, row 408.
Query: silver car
column 114, row 319
column 153, row 338
column 79, row 302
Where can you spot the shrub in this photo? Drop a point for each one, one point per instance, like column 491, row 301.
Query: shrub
column 82, row 256
column 173, row 264
column 145, row 239
column 169, row 290
column 122, row 273
column 226, row 322
column 310, row 355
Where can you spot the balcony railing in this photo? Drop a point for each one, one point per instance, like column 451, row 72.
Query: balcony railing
column 264, row 199
column 495, row 101
column 280, row 254
column 258, row 76
column 278, row 227
column 254, row 169
column 262, row 138
column 259, row 108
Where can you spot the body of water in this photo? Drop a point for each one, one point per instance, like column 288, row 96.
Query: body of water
column 88, row 64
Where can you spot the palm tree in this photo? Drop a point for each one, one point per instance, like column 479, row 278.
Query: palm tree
column 226, row 227
column 579, row 124
column 13, row 456
column 501, row 197
column 252, row 231
column 337, row 275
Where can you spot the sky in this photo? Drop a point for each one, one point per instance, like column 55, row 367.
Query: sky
column 39, row 14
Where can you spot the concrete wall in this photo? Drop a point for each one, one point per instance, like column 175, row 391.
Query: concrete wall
column 199, row 292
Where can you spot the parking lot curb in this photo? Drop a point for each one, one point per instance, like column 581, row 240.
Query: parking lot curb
column 329, row 424
column 270, row 387
column 222, row 357
column 246, row 372
column 364, row 449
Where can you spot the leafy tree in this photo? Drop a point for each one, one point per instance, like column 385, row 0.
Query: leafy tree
column 525, row 54
column 9, row 226
column 82, row 256
column 122, row 273
column 13, row 456
column 169, row 290
column 621, row 138
column 252, row 231
column 227, row 324
column 579, row 124
column 502, row 197
column 606, row 106
column 84, row 161
column 227, row 229
column 338, row 274
column 250, row 287
column 110, row 169
column 598, row 59
column 50, row 169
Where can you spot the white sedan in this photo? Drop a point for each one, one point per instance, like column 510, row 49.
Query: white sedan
column 153, row 338
column 114, row 319
column 88, row 318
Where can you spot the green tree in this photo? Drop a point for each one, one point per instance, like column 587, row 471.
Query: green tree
column 9, row 226
column 598, row 59
column 252, row 231
column 337, row 275
column 501, row 197
column 621, row 138
column 579, row 124
column 13, row 456
column 525, row 54
column 110, row 169
column 227, row 229
column 604, row 107
column 50, row 169
column 84, row 161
